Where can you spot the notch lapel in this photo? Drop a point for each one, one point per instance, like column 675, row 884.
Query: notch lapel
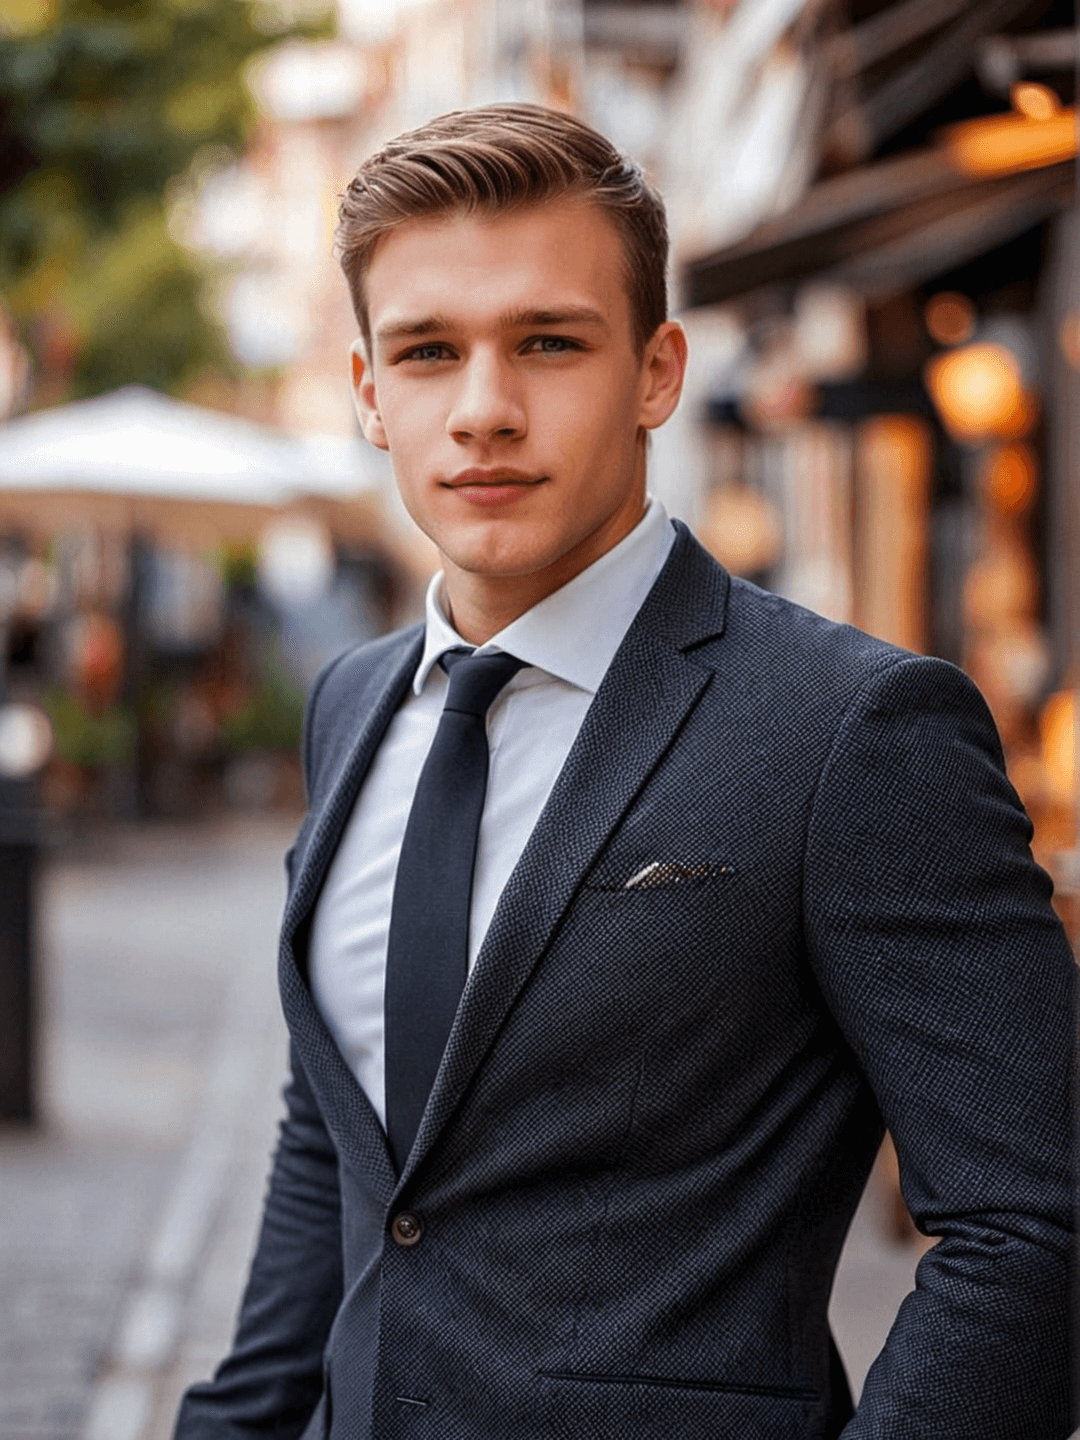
column 643, row 701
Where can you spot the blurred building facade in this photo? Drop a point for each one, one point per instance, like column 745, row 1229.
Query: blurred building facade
column 894, row 437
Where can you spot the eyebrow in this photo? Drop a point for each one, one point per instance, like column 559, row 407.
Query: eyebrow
column 568, row 315
column 409, row 329
column 514, row 319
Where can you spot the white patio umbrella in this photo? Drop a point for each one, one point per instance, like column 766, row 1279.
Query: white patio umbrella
column 139, row 442
column 138, row 459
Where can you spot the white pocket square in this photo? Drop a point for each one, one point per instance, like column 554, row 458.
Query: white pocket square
column 671, row 872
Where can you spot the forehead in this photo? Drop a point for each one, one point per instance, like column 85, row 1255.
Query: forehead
column 556, row 256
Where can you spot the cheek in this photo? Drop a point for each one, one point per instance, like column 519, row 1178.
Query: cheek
column 410, row 421
column 593, row 420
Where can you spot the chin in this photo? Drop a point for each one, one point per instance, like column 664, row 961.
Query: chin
column 509, row 564
column 496, row 552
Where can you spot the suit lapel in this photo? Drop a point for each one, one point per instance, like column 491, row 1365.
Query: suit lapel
column 346, row 1108
column 649, row 690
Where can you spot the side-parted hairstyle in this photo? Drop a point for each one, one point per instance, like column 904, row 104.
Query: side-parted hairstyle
column 498, row 158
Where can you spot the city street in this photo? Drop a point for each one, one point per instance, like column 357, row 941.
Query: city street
column 127, row 1222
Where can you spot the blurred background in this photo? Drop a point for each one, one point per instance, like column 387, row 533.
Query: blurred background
column 877, row 258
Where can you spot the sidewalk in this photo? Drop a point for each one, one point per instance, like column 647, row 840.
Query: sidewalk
column 127, row 1225
column 122, row 1247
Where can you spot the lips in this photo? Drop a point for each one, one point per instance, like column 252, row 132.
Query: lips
column 492, row 479
column 494, row 490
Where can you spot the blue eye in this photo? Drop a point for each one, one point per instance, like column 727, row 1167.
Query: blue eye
column 553, row 344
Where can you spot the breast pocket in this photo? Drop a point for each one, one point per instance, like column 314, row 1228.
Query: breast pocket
column 642, row 874
column 655, row 906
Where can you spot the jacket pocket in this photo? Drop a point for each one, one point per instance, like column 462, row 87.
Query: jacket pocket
column 644, row 1408
column 640, row 875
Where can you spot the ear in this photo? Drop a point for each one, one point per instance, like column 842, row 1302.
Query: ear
column 365, row 399
column 663, row 369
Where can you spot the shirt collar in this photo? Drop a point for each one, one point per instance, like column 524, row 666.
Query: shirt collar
column 573, row 633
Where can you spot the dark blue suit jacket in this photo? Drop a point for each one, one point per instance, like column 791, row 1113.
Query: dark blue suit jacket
column 659, row 1104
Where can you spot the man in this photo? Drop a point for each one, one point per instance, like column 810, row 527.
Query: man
column 747, row 886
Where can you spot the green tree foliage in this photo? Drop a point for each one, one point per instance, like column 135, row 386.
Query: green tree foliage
column 103, row 105
column 273, row 717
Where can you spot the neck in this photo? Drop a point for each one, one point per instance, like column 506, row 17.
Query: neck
column 480, row 605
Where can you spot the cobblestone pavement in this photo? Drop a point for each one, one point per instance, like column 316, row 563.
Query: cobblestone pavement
column 126, row 1224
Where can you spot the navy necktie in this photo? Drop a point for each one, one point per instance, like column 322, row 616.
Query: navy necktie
column 427, row 956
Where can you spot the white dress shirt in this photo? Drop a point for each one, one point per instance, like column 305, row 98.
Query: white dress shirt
column 567, row 642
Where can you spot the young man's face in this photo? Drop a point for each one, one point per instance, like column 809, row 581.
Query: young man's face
column 505, row 384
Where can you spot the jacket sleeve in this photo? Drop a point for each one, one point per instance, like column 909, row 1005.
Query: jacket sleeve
column 273, row 1379
column 933, row 939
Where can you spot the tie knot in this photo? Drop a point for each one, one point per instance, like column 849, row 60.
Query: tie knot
column 475, row 680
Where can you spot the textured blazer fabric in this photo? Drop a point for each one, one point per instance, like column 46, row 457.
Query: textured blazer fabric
column 781, row 894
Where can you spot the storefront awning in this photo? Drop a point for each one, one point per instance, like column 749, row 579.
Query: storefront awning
column 884, row 228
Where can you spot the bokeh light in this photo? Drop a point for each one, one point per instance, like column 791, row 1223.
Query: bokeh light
column 1006, row 144
column 1057, row 729
column 950, row 318
column 978, row 392
column 1037, row 102
column 1010, row 479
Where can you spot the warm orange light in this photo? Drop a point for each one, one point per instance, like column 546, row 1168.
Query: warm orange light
column 1002, row 144
column 1057, row 729
column 978, row 392
column 1069, row 338
column 1021, row 419
column 1037, row 102
column 1010, row 480
column 1001, row 587
column 742, row 529
column 950, row 318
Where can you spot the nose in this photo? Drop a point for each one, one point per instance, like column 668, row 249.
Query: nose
column 487, row 403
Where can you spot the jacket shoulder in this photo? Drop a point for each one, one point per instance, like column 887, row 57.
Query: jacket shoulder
column 808, row 654
column 789, row 632
column 802, row 681
column 734, row 624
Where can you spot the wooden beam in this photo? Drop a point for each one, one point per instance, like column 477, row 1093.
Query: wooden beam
column 859, row 130
column 888, row 31
column 855, row 196
column 1002, row 59
column 939, row 246
column 946, row 220
column 776, row 246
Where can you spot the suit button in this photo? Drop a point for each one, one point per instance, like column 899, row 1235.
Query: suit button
column 406, row 1228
